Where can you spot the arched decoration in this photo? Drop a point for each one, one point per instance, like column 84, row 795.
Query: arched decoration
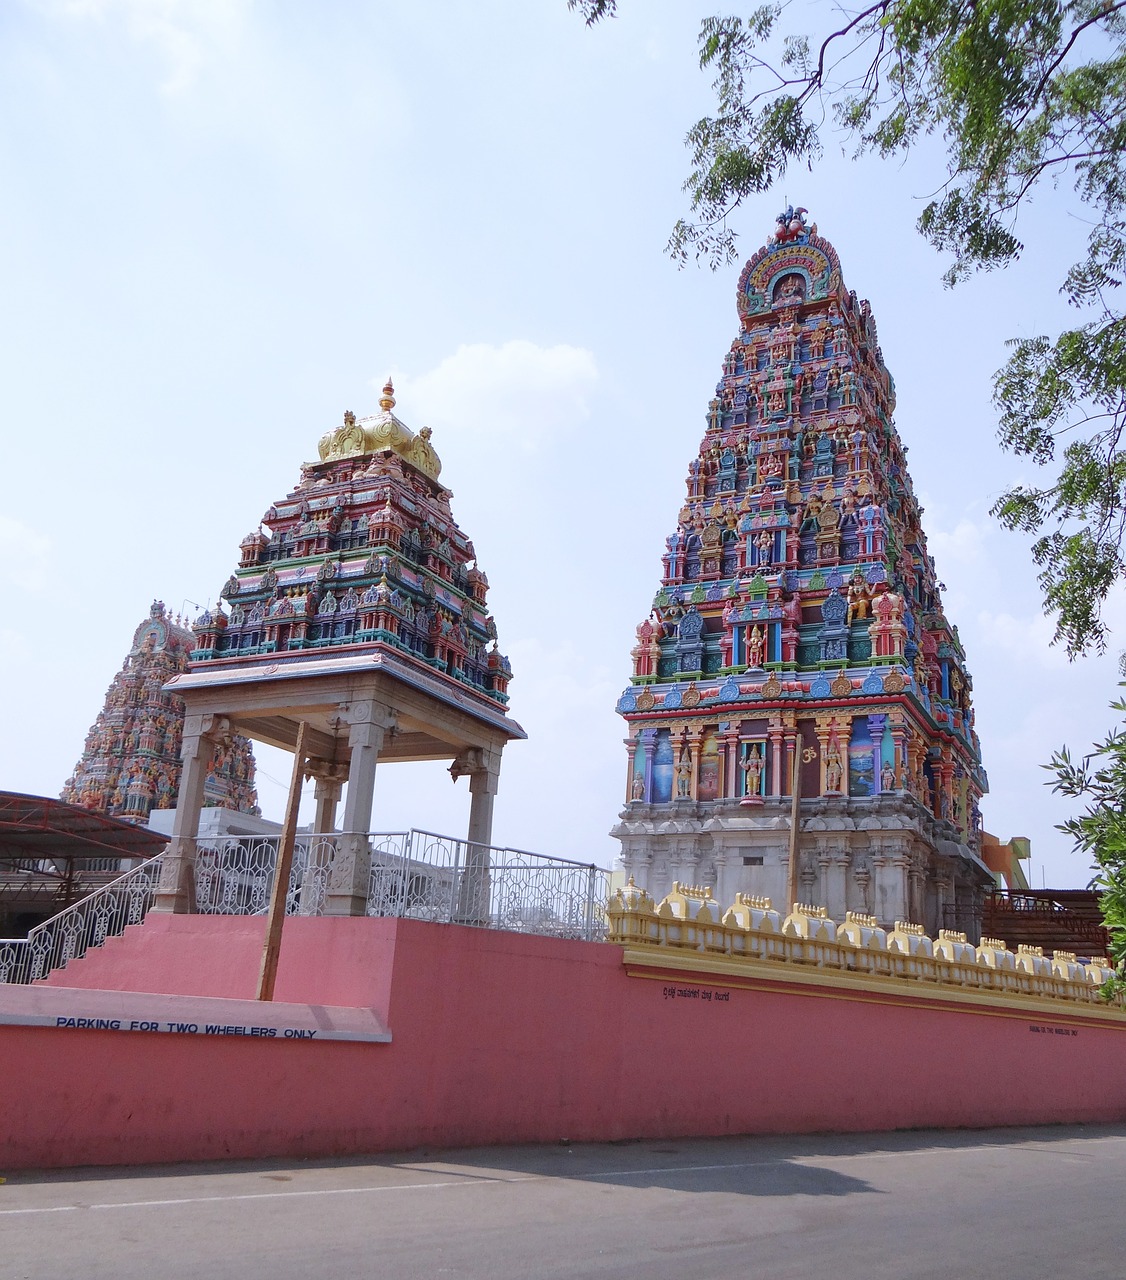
column 151, row 630
column 690, row 625
column 815, row 261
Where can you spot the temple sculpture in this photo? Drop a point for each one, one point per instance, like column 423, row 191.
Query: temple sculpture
column 799, row 611
column 357, row 610
column 130, row 764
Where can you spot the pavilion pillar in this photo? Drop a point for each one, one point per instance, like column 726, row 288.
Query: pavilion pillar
column 320, row 849
column 175, row 890
column 329, row 780
column 483, row 768
column 348, row 880
column 326, row 793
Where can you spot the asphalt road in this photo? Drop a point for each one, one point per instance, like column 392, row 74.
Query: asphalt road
column 1002, row 1205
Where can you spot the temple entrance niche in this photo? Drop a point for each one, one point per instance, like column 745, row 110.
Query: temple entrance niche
column 790, row 290
column 357, row 610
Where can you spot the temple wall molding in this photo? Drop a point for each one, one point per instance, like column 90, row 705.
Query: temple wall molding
column 689, row 931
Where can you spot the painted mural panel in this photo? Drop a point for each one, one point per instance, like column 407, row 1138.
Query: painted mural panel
column 861, row 769
column 663, row 768
column 707, row 785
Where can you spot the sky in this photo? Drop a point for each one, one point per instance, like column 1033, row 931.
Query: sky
column 225, row 222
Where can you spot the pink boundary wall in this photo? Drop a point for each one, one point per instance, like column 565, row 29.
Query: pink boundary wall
column 504, row 1038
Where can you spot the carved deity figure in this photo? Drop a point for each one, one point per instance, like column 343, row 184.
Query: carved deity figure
column 834, row 773
column 887, row 776
column 755, row 641
column 858, row 598
column 792, row 290
column 684, row 777
column 848, row 504
column 811, row 513
column 817, row 341
column 752, row 771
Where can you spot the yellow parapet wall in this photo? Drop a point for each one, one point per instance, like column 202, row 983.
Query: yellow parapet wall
column 688, row 931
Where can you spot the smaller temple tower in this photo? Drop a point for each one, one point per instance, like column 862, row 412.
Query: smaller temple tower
column 356, row 622
column 130, row 764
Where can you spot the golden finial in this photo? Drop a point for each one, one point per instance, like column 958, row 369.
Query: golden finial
column 387, row 400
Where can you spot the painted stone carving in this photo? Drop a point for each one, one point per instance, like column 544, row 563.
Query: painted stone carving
column 365, row 552
column 130, row 764
column 799, row 596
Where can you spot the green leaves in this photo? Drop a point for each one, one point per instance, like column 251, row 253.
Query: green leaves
column 736, row 154
column 1100, row 831
column 594, row 10
column 1046, row 392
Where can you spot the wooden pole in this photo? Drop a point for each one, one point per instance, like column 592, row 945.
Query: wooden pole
column 272, row 948
column 795, row 822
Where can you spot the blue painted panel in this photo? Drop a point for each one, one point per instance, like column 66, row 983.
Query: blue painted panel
column 662, row 768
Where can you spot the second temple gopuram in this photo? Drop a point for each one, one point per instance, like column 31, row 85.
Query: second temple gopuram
column 799, row 610
column 130, row 764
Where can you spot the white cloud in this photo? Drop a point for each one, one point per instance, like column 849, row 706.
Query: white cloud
column 1026, row 640
column 187, row 35
column 24, row 555
column 14, row 646
column 519, row 392
column 964, row 545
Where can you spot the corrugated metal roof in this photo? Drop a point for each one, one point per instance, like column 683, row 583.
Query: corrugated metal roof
column 39, row 827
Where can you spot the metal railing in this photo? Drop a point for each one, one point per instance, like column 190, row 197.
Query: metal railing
column 416, row 875
column 424, row 876
column 103, row 914
column 234, row 875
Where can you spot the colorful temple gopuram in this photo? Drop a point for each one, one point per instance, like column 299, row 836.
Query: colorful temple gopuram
column 357, row 618
column 799, row 609
column 131, row 761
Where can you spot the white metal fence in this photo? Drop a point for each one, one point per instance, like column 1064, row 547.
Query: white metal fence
column 103, row 914
column 414, row 874
column 424, row 876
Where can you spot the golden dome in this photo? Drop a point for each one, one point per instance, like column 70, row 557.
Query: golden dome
column 380, row 432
